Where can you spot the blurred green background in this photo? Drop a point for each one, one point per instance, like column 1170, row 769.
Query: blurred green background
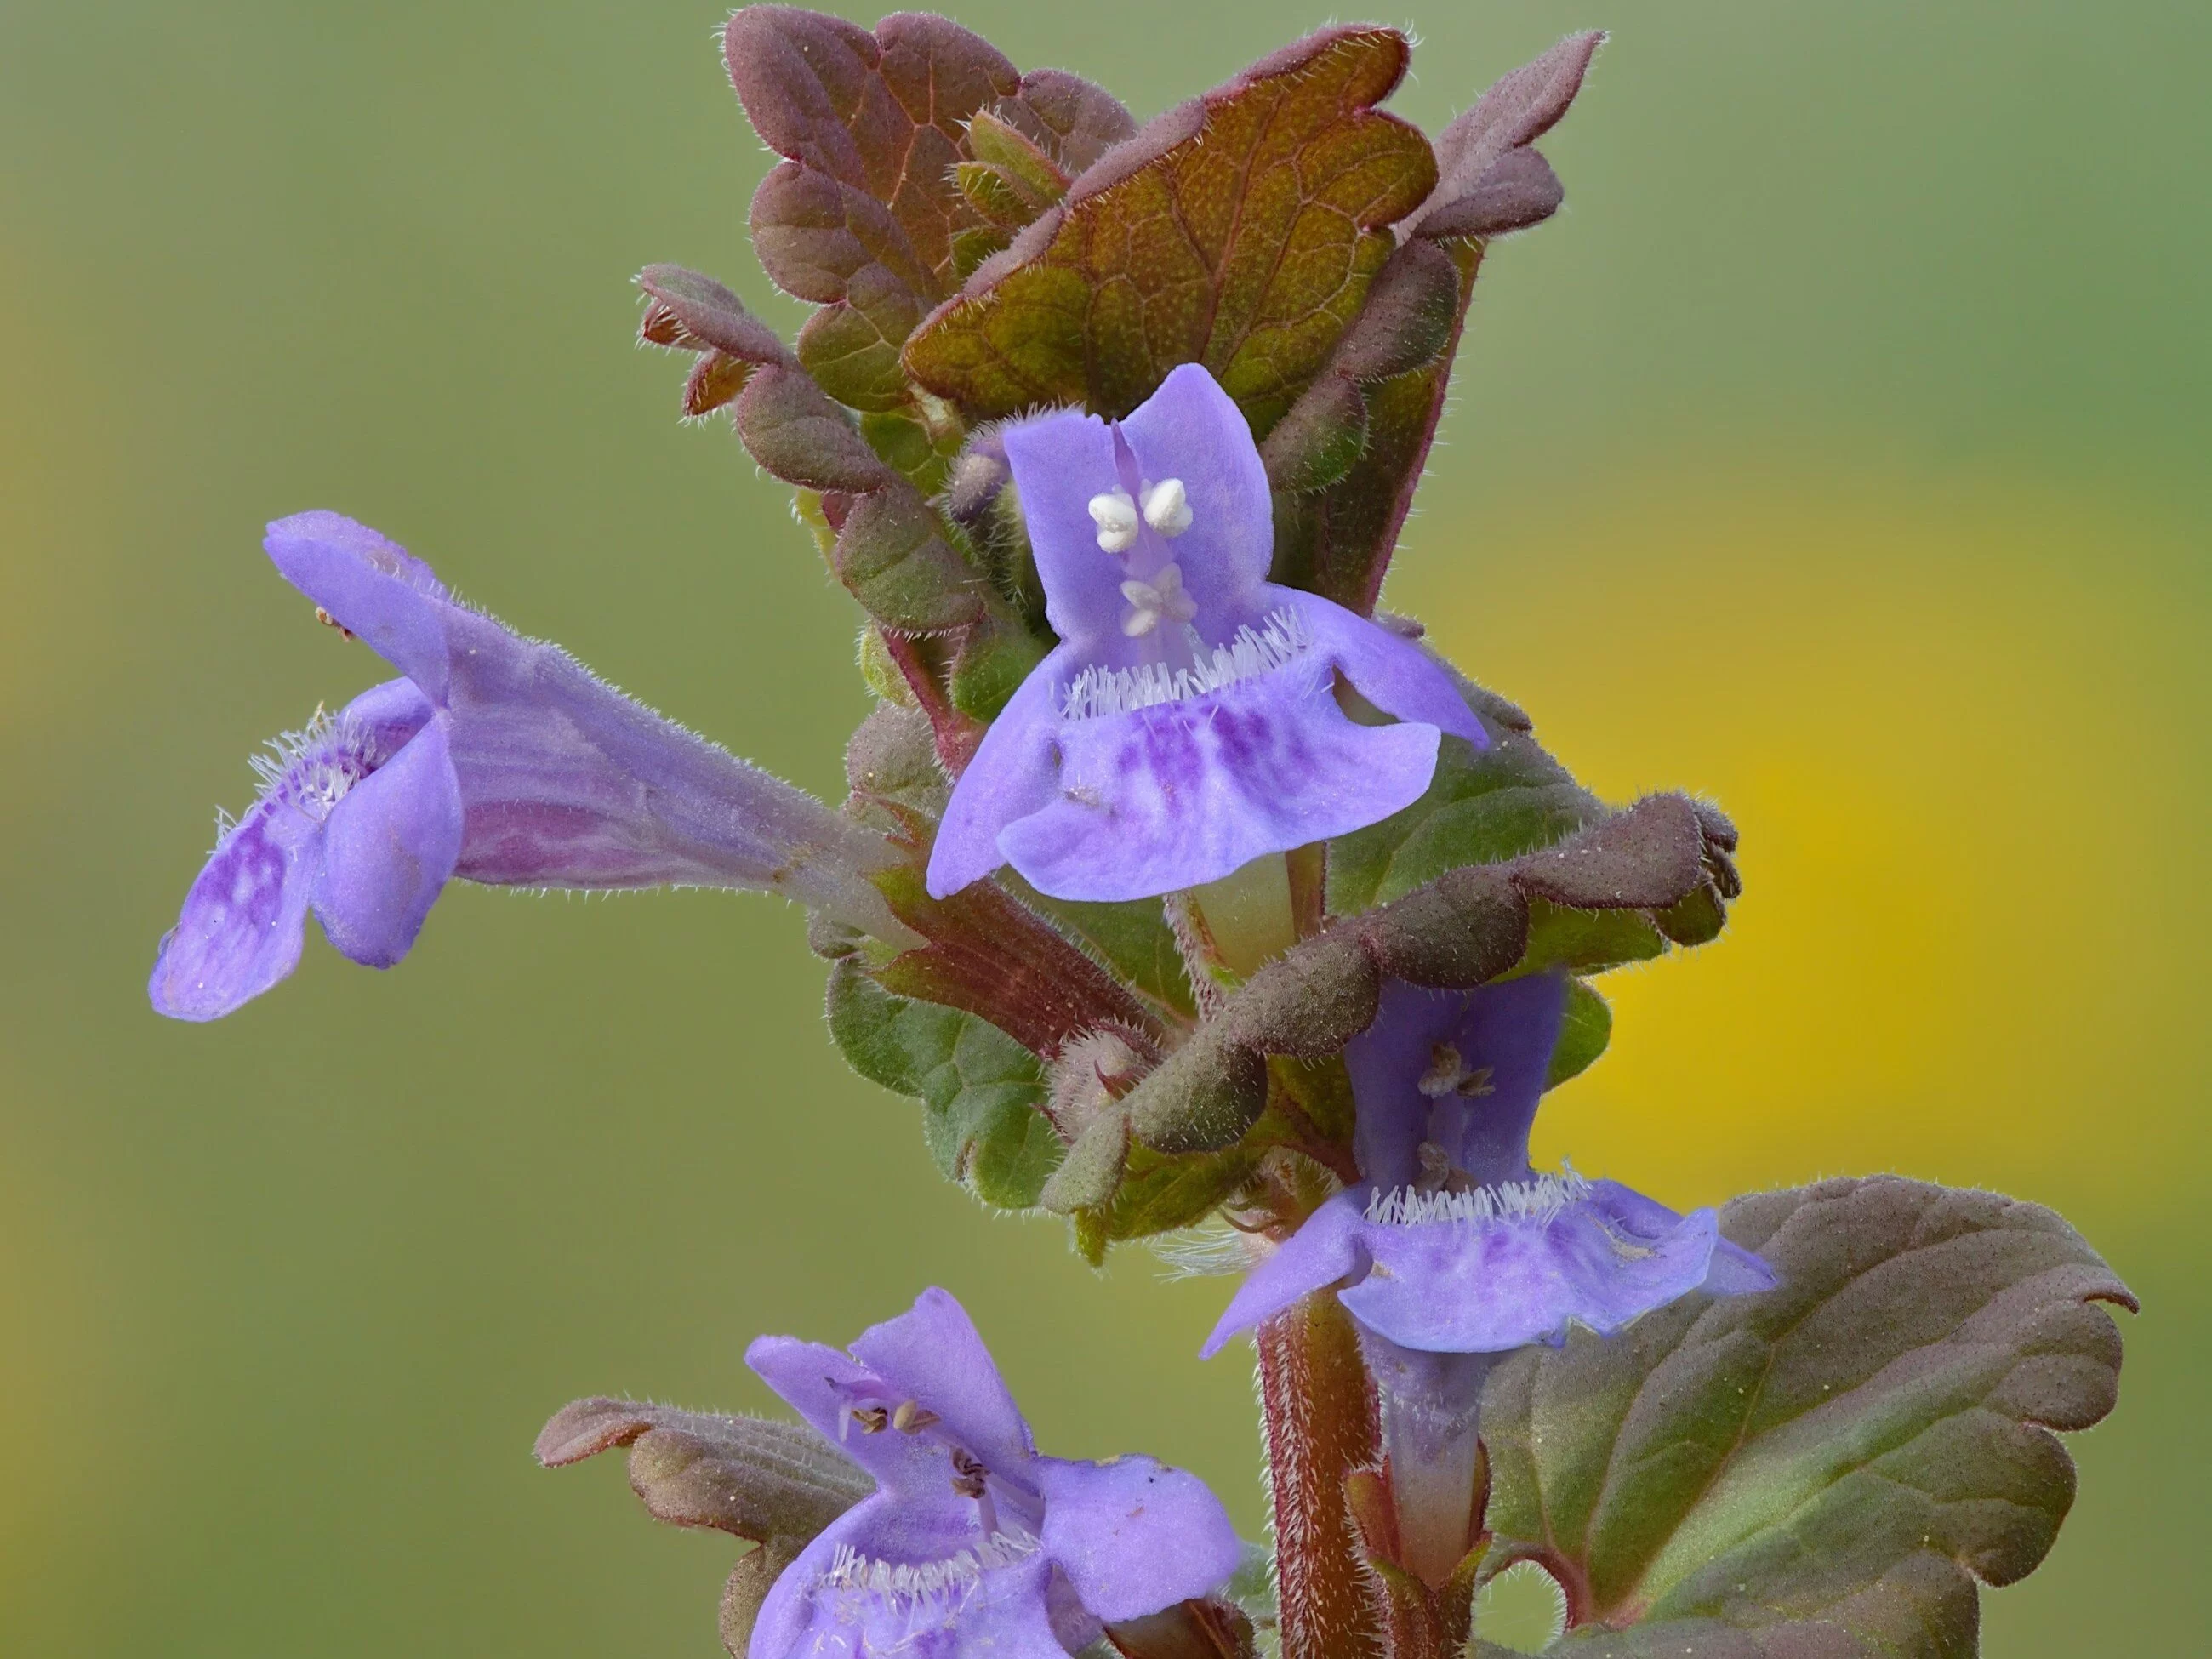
column 1839, row 451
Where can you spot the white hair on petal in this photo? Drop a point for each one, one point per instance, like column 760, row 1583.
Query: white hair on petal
column 1099, row 691
column 311, row 769
column 905, row 1583
column 1538, row 1200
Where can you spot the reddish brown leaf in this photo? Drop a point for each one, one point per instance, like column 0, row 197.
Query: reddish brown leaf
column 817, row 235
column 1517, row 110
column 687, row 312
column 694, row 313
column 1520, row 191
column 1075, row 122
column 1339, row 542
column 989, row 956
column 715, row 380
column 880, row 112
column 746, row 1476
column 1241, row 231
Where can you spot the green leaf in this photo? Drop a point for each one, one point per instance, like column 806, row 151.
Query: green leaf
column 905, row 444
column 1241, row 231
column 994, row 195
column 1583, row 1037
column 1587, row 941
column 994, row 658
column 1020, row 159
column 1481, row 808
column 852, row 350
column 1160, row 1193
column 895, row 556
column 1826, row 1469
column 1698, row 919
column 981, row 1088
column 1316, row 444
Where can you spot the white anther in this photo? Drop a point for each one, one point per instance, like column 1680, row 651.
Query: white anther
column 1161, row 600
column 1115, row 515
column 1167, row 508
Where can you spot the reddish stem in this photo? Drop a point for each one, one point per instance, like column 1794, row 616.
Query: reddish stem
column 956, row 734
column 1318, row 1416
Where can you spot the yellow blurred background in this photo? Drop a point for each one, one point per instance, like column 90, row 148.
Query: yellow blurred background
column 1838, row 452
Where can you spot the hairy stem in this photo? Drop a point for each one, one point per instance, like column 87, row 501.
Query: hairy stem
column 1318, row 1417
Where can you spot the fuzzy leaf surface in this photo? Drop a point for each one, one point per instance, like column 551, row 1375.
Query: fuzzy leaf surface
column 1132, row 937
column 1826, row 1468
column 1339, row 542
column 1159, row 1193
column 866, row 215
column 1483, row 808
column 1241, row 231
column 1472, row 924
column 981, row 1089
column 753, row 1477
column 876, row 114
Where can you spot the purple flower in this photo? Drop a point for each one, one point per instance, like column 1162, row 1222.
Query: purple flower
column 1451, row 1244
column 972, row 1544
column 496, row 758
column 1452, row 1251
column 1189, row 720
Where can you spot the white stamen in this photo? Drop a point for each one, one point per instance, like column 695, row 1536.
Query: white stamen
column 906, row 1582
column 1539, row 1201
column 1161, row 600
column 1115, row 515
column 1167, row 508
column 1097, row 691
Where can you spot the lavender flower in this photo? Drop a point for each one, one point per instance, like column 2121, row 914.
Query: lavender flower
column 972, row 1543
column 1187, row 722
column 1452, row 1243
column 497, row 759
column 1456, row 1251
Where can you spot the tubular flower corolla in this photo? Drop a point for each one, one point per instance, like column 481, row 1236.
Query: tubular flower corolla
column 496, row 758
